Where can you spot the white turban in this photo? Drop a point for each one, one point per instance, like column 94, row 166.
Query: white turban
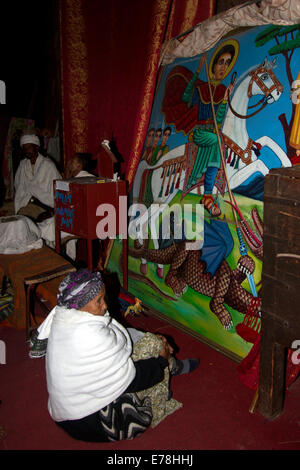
column 30, row 139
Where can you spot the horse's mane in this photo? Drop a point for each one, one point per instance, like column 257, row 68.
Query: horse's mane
column 267, row 64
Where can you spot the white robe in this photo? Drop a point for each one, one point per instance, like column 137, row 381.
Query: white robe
column 37, row 182
column 19, row 234
column 88, row 363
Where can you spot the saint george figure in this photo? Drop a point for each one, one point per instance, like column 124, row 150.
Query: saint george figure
column 194, row 115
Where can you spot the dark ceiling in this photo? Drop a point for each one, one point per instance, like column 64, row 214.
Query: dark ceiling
column 24, row 33
column 27, row 56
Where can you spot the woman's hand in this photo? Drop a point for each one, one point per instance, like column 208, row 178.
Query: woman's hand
column 166, row 350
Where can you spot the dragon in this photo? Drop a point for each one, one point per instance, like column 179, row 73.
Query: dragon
column 187, row 269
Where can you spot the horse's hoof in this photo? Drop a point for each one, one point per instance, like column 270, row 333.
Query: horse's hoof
column 137, row 245
column 143, row 268
column 160, row 272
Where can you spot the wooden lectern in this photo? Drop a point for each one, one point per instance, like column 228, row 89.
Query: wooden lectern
column 78, row 212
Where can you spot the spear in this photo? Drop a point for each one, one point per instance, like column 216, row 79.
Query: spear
column 243, row 246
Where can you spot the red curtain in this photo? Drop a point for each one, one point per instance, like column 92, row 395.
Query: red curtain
column 110, row 52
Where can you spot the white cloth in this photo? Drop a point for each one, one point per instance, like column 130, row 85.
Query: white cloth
column 30, row 139
column 53, row 148
column 47, row 228
column 206, row 34
column 88, row 362
column 37, row 182
column 18, row 234
column 83, row 174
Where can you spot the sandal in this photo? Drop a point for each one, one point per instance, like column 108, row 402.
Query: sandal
column 37, row 347
column 211, row 205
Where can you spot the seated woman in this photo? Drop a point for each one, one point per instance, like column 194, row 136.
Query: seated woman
column 92, row 380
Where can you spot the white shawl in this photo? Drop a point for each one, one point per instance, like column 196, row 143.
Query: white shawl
column 37, row 183
column 88, row 362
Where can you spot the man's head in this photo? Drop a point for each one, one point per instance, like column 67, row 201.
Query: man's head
column 150, row 135
column 222, row 61
column 74, row 166
column 83, row 290
column 30, row 145
column 167, row 133
column 157, row 135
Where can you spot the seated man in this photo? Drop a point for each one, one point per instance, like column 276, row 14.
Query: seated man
column 75, row 168
column 94, row 393
column 34, row 180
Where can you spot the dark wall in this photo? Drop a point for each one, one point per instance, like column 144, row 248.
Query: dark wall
column 29, row 66
column 30, row 60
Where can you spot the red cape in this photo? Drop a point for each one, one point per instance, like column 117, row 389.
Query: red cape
column 176, row 112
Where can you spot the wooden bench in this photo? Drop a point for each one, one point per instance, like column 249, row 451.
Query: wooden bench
column 26, row 271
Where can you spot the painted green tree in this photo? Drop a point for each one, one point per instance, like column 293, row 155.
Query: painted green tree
column 287, row 39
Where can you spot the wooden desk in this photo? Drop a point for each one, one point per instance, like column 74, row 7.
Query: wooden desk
column 76, row 204
column 33, row 265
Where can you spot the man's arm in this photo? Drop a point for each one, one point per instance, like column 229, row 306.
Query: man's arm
column 43, row 188
column 22, row 194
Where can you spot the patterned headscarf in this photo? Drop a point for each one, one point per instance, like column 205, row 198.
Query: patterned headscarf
column 79, row 288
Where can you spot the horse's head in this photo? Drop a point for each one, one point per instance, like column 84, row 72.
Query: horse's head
column 264, row 82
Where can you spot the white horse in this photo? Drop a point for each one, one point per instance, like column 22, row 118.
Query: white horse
column 259, row 81
column 168, row 174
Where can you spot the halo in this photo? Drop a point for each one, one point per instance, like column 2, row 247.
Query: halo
column 235, row 44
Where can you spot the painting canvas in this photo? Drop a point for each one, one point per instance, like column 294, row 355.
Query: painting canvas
column 220, row 122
